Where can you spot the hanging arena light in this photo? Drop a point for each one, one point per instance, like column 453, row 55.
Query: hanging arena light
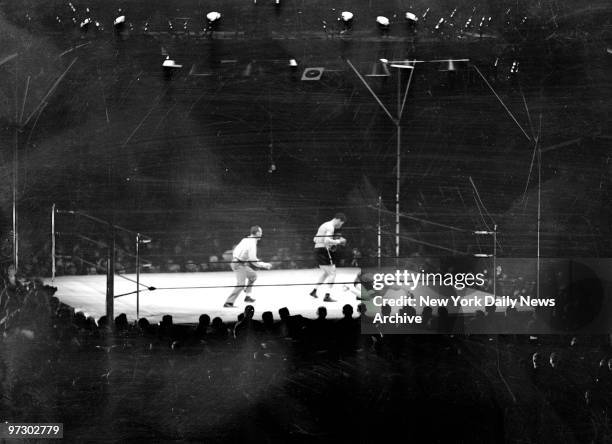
column 213, row 17
column 119, row 21
column 383, row 24
column 169, row 66
column 346, row 18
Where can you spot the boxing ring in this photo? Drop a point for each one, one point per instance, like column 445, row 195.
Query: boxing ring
column 186, row 296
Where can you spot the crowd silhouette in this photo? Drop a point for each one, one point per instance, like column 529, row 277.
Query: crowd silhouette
column 279, row 377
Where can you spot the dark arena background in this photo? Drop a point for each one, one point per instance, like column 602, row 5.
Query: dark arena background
column 140, row 141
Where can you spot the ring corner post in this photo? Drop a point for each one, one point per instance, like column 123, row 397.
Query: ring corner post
column 53, row 243
column 110, row 278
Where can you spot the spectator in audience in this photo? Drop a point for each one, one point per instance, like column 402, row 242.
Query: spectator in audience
column 270, row 328
column 190, row 266
column 477, row 324
column 70, row 268
column 512, row 323
column 556, row 380
column 218, row 330
column 100, row 265
column 166, row 330
column 356, row 259
column 79, row 319
column 537, row 371
column 385, row 311
column 491, row 322
column 554, row 361
column 102, row 322
column 37, row 305
column 537, row 325
column 144, row 327
column 11, row 299
column 121, row 323
column 227, row 257
column 171, row 267
column 290, row 326
column 320, row 330
column 347, row 330
column 65, row 329
column 427, row 316
column 442, row 323
column 366, row 341
column 247, row 329
column 407, row 310
column 90, row 325
column 213, row 263
column 363, row 317
column 202, row 328
column 119, row 265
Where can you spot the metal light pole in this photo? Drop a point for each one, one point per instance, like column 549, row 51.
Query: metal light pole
column 379, row 233
column 110, row 258
column 494, row 260
column 493, row 256
column 17, row 123
column 15, row 177
column 398, row 160
column 110, row 276
column 53, row 243
column 139, row 240
column 20, row 124
column 396, row 120
column 539, row 218
column 137, row 276
column 14, row 186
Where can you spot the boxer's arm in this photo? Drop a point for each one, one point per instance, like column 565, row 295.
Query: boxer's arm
column 329, row 240
column 255, row 261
